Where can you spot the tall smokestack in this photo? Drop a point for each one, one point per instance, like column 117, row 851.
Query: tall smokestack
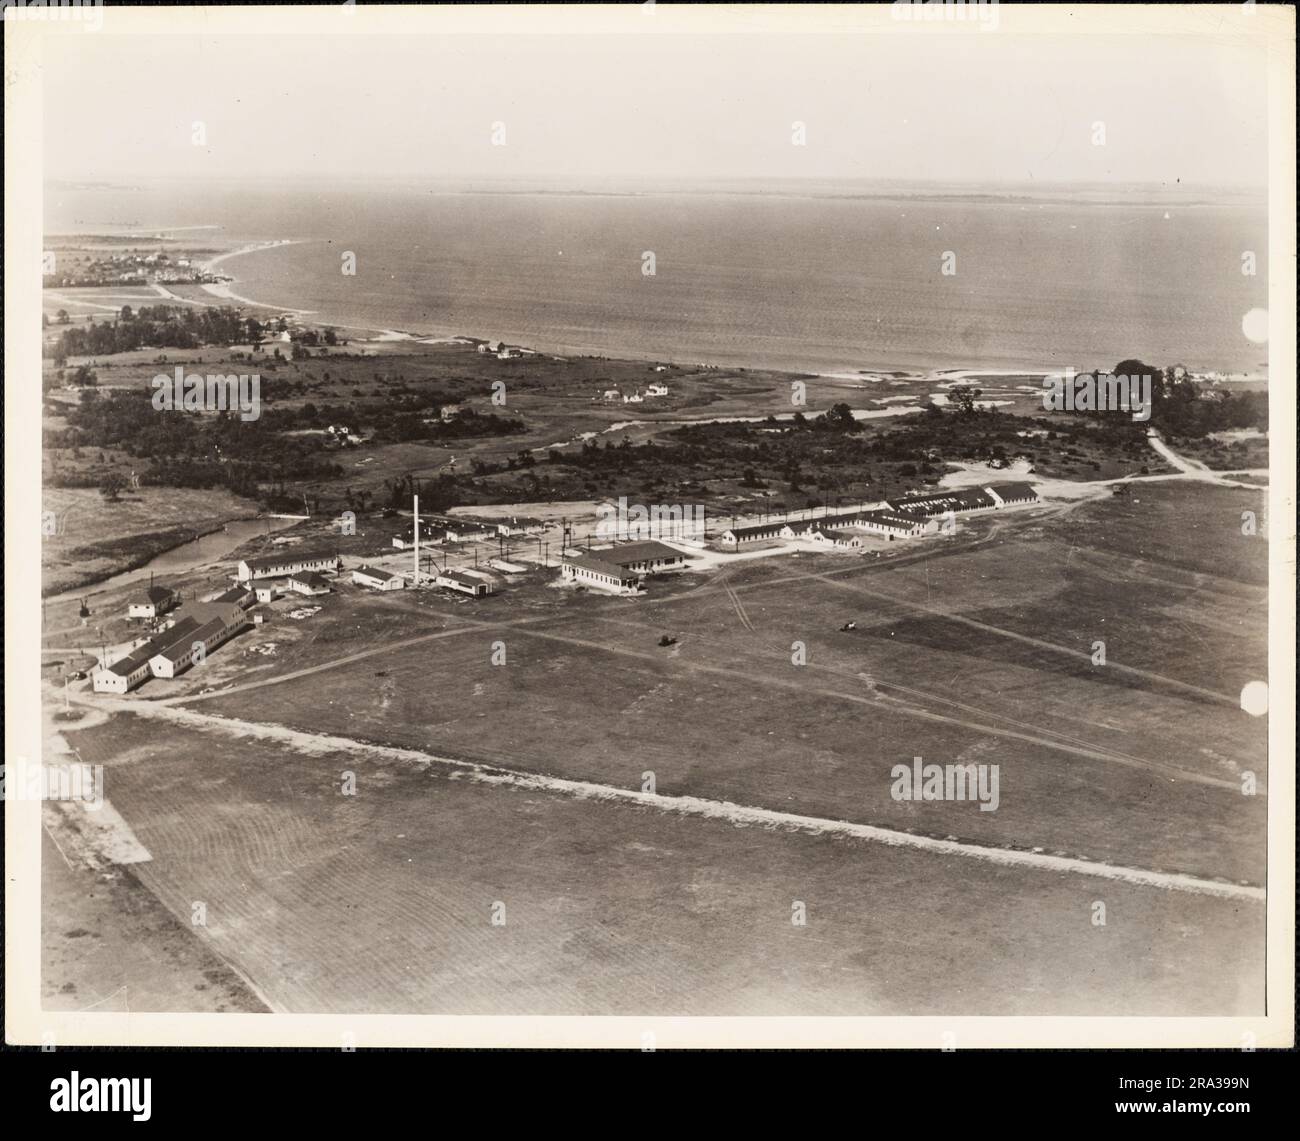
column 416, row 500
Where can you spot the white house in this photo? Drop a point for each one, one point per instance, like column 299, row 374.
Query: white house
column 377, row 579
column 153, row 601
column 635, row 398
column 520, row 525
column 612, row 394
column 265, row 590
column 656, row 390
column 123, row 675
column 308, row 582
column 770, row 531
column 468, row 532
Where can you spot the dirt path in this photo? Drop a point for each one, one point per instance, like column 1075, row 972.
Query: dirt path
column 1194, row 469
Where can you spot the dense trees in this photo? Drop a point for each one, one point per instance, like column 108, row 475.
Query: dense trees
column 192, row 451
column 158, row 326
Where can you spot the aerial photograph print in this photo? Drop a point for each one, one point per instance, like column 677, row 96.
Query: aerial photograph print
column 766, row 525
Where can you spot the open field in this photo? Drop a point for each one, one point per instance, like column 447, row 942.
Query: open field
column 95, row 539
column 109, row 944
column 383, row 901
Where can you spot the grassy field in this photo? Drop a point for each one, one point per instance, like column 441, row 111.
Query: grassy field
column 95, row 538
column 109, row 944
column 383, row 902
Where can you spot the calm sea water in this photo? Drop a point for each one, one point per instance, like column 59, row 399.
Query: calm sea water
column 816, row 283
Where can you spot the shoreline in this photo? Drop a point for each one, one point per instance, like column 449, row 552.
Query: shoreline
column 866, row 375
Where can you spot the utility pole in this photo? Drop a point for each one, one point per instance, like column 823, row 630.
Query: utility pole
column 415, row 499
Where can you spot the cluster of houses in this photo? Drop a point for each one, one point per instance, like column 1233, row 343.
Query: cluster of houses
column 904, row 517
column 612, row 394
column 181, row 642
column 500, row 350
column 619, row 568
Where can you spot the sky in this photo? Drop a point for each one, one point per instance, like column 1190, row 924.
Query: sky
column 976, row 109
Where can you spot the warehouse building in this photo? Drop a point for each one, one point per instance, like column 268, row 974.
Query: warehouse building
column 193, row 647
column 589, row 570
column 646, row 557
column 467, row 582
column 128, row 672
column 308, row 582
column 1012, row 494
column 281, row 566
column 893, row 525
column 748, row 536
column 377, row 579
column 942, row 502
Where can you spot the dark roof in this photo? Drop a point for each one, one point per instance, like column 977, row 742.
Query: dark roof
column 177, row 649
column 266, row 562
column 639, row 552
column 935, row 503
column 126, row 666
column 889, row 519
column 760, row 529
column 375, row 572
column 1013, row 490
column 155, row 595
column 463, row 577
column 231, row 613
column 235, row 594
column 141, row 656
column 311, row 578
column 598, row 566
